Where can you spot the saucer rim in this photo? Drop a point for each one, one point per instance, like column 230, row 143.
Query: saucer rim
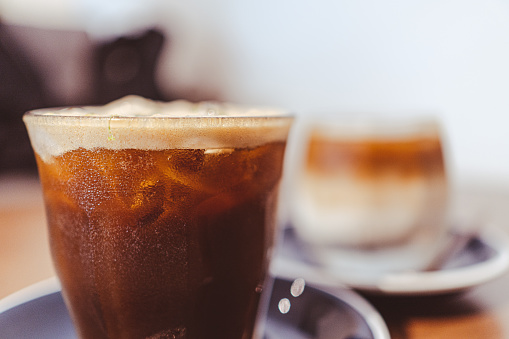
column 456, row 279
column 367, row 312
column 413, row 283
column 31, row 292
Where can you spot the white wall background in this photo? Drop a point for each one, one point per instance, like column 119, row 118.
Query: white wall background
column 445, row 56
column 448, row 56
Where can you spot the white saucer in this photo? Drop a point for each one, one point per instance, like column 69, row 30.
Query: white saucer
column 38, row 312
column 483, row 259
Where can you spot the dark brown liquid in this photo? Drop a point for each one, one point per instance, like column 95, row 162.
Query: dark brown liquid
column 162, row 244
column 369, row 158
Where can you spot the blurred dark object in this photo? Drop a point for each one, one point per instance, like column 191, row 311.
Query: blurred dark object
column 127, row 66
column 21, row 89
column 50, row 68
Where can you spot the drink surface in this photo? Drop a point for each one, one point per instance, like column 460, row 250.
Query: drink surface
column 160, row 227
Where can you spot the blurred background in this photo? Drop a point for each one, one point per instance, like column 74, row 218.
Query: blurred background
column 447, row 57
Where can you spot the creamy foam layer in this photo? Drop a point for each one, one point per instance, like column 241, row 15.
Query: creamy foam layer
column 137, row 123
column 380, row 129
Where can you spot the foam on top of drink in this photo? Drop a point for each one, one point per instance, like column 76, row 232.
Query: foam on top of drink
column 137, row 123
column 136, row 106
column 378, row 129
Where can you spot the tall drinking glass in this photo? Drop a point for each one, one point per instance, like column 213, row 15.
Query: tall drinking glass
column 161, row 216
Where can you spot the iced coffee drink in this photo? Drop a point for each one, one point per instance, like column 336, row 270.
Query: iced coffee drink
column 373, row 193
column 161, row 216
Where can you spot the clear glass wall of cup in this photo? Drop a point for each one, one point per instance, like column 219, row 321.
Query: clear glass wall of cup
column 161, row 216
column 370, row 194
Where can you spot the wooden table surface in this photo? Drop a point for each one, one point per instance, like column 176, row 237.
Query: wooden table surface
column 482, row 312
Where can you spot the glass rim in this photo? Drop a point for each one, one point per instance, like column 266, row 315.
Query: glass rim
column 52, row 133
column 35, row 118
column 60, row 112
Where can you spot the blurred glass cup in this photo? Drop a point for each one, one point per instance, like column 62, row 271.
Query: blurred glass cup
column 370, row 194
